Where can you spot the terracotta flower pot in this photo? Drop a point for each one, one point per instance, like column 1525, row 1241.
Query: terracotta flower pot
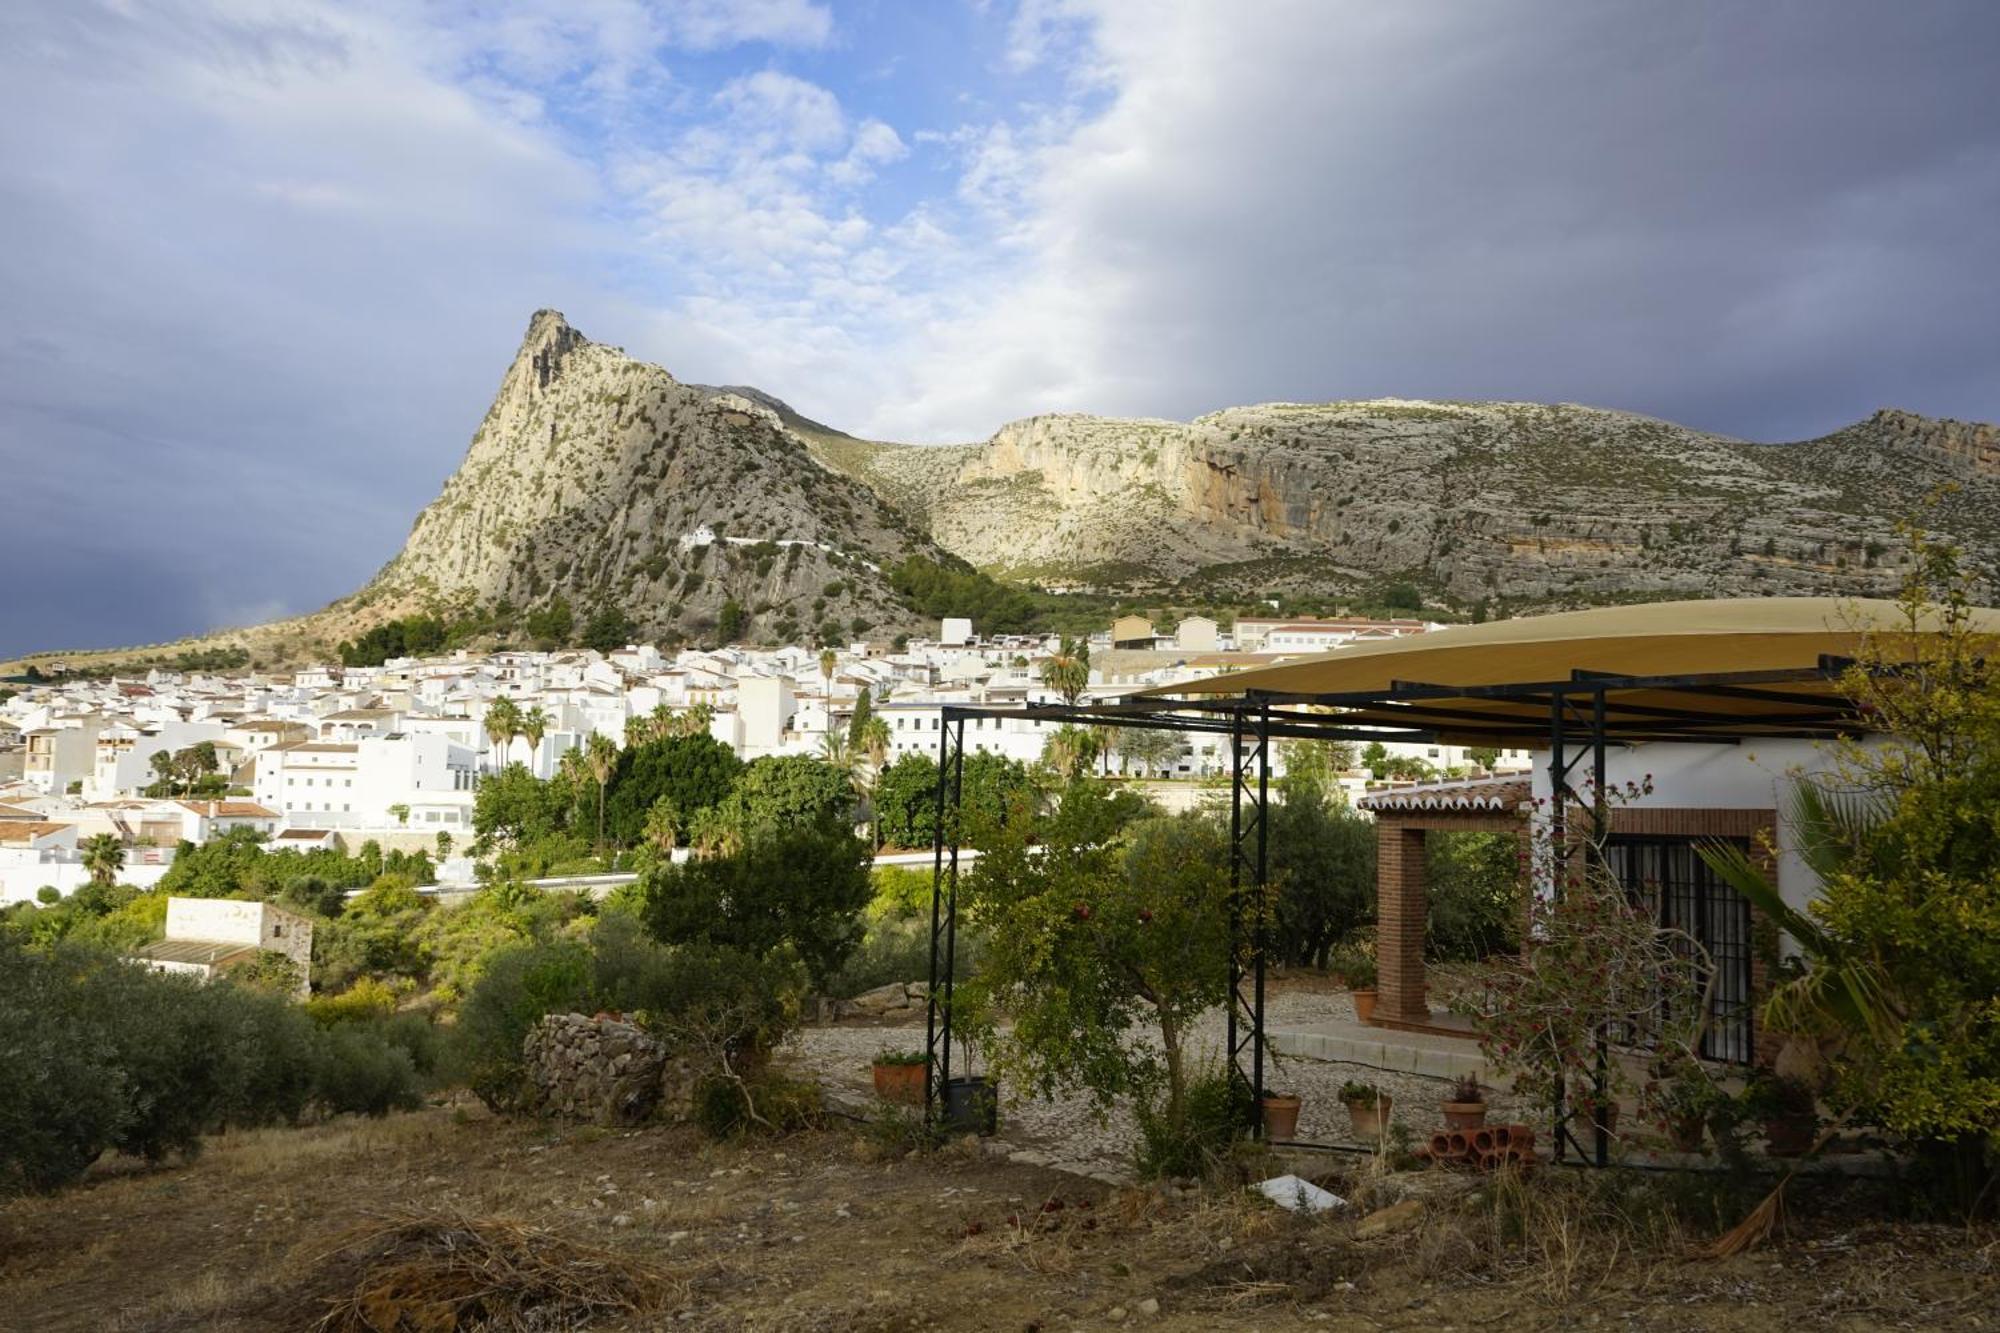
column 899, row 1083
column 1464, row 1115
column 1364, row 1005
column 1281, row 1117
column 1370, row 1122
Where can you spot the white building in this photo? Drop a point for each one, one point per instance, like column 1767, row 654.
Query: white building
column 207, row 936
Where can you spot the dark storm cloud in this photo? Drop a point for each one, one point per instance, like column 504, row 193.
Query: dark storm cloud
column 262, row 261
column 1762, row 219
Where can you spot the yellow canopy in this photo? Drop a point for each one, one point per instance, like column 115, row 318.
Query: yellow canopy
column 1657, row 639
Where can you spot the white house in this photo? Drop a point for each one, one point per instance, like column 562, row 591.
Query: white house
column 208, row 936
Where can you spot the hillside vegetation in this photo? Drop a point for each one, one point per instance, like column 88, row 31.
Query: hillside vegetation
column 598, row 482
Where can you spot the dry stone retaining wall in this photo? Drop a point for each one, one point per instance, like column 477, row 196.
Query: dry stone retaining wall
column 604, row 1070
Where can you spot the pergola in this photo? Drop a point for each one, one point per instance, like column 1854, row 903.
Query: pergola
column 1575, row 684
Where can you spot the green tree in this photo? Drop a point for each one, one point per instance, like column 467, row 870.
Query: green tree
column 534, row 726
column 601, row 756
column 1070, row 750
column 1090, row 937
column 550, row 626
column 729, row 622
column 513, row 805
column 609, row 630
column 781, row 791
column 103, row 857
column 502, row 725
column 864, row 713
column 798, row 886
column 1322, row 868
column 693, row 772
column 401, row 813
column 1067, row 670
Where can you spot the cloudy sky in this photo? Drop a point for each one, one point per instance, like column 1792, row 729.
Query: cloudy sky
column 262, row 262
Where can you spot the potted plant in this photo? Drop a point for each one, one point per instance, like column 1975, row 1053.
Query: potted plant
column 1788, row 1110
column 1359, row 969
column 1367, row 1109
column 1280, row 1111
column 1465, row 1105
column 971, row 1101
column 899, row 1076
column 1682, row 1097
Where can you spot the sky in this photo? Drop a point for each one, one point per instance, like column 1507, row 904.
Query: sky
column 263, row 262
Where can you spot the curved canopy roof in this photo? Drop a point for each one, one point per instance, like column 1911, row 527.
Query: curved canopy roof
column 1653, row 639
column 1700, row 669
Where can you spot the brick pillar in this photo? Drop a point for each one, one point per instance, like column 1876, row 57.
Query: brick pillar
column 1399, row 922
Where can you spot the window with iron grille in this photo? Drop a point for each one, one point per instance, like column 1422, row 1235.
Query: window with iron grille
column 1683, row 894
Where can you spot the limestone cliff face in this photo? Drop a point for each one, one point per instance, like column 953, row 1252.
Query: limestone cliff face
column 1532, row 503
column 603, row 480
column 594, row 476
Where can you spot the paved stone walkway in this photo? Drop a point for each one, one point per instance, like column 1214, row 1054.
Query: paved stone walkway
column 1320, row 1046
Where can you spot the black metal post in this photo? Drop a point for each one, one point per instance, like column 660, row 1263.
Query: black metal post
column 1594, row 864
column 1259, row 933
column 1235, row 891
column 944, row 911
column 1558, row 794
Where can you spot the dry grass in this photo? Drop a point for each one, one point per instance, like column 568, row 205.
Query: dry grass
column 433, row 1273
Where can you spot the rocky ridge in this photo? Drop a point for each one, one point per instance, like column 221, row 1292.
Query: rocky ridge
column 1535, row 504
column 602, row 479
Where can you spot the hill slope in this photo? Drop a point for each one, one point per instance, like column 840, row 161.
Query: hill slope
column 1535, row 504
column 604, row 481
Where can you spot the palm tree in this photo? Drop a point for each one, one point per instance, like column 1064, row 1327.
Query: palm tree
column 663, row 826
column 835, row 750
column 1067, row 670
column 103, row 857
column 1069, row 750
column 713, row 833
column 503, row 724
column 696, row 720
column 828, row 660
column 601, row 756
column 638, row 730
column 534, row 726
column 665, row 723
column 874, row 746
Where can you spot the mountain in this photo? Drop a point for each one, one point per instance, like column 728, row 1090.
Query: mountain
column 603, row 481
column 1528, row 504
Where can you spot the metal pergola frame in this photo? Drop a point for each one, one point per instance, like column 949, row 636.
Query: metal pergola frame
column 1576, row 719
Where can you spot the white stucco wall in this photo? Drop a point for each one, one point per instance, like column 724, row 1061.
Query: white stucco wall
column 1751, row 776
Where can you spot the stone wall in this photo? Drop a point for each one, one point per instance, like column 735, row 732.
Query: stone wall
column 604, row 1070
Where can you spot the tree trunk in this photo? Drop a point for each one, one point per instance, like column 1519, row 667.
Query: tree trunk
column 1170, row 1039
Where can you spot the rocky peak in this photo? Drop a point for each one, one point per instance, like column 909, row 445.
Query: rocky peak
column 1974, row 446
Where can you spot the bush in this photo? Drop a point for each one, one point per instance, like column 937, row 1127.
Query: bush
column 1473, row 883
column 102, row 1054
column 723, row 1107
column 802, row 888
column 1218, row 1115
column 362, row 1071
column 520, row 985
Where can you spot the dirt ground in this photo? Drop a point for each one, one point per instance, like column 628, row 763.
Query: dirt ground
column 837, row 1229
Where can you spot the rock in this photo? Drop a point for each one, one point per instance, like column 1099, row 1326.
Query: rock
column 1115, row 1314
column 599, row 1069
column 1386, row 1221
column 1149, row 1307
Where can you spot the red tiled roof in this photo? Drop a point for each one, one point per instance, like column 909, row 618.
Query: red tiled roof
column 1496, row 794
